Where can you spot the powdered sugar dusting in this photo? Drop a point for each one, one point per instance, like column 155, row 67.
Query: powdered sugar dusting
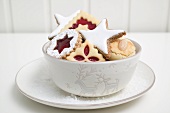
column 55, row 53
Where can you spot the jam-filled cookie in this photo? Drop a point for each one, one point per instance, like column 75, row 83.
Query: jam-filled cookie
column 79, row 20
column 64, row 43
column 101, row 37
column 86, row 53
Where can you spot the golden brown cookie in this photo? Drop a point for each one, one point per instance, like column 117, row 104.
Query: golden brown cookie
column 86, row 53
column 121, row 48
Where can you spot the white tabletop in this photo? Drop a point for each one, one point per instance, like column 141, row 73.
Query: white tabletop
column 19, row 49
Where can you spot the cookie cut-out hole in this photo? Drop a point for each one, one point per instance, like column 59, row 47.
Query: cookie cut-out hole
column 83, row 21
column 79, row 57
column 63, row 43
column 86, row 50
column 86, row 53
column 93, row 59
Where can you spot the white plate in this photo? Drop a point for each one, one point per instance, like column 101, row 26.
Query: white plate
column 34, row 82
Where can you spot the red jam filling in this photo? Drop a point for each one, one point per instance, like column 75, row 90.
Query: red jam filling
column 86, row 50
column 63, row 43
column 83, row 21
column 79, row 57
column 93, row 59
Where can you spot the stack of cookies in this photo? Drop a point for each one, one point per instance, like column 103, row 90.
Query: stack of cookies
column 81, row 37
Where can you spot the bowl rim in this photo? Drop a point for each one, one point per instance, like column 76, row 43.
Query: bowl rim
column 106, row 62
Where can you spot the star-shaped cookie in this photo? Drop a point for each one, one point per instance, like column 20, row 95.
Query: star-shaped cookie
column 101, row 36
column 79, row 20
column 64, row 43
column 62, row 22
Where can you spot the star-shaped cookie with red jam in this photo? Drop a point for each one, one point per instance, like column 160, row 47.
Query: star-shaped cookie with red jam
column 86, row 53
column 79, row 20
column 64, row 43
column 101, row 37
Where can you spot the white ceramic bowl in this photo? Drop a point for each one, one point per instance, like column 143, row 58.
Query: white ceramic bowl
column 92, row 79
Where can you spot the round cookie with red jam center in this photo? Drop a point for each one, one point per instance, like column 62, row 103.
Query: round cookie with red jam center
column 86, row 53
column 64, row 43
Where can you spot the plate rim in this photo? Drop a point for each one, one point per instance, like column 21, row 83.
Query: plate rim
column 84, row 106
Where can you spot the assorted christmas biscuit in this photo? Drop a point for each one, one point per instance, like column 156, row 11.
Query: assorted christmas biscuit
column 86, row 53
column 121, row 48
column 101, row 37
column 80, row 37
column 79, row 20
column 64, row 43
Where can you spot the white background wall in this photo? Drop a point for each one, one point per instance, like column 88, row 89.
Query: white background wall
column 130, row 15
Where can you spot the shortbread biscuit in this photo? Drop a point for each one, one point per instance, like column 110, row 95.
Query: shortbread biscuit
column 121, row 48
column 86, row 53
column 79, row 20
column 101, row 37
column 64, row 43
